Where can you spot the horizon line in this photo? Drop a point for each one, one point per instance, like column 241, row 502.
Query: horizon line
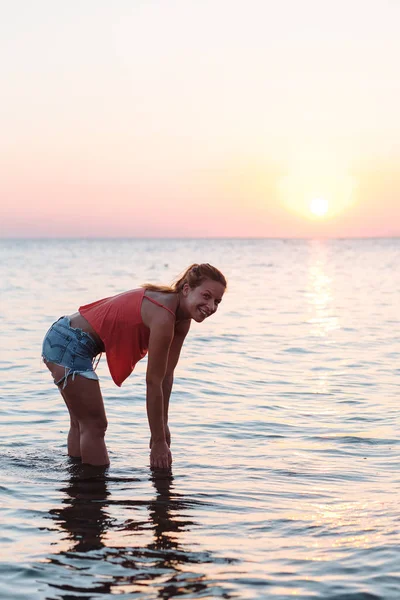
column 112, row 238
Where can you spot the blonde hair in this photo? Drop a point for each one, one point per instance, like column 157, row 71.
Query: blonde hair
column 193, row 276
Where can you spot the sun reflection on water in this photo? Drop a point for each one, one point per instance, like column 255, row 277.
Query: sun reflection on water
column 320, row 294
column 321, row 318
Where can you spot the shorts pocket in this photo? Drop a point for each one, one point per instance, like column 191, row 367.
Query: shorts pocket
column 54, row 346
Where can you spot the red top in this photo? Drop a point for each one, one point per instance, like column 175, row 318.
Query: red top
column 118, row 322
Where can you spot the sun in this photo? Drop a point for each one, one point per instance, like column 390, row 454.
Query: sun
column 319, row 207
column 316, row 185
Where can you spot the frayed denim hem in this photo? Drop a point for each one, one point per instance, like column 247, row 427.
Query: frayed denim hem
column 68, row 372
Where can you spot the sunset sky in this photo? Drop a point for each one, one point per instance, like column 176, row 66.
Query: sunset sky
column 200, row 118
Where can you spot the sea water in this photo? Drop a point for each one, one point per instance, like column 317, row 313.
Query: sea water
column 284, row 418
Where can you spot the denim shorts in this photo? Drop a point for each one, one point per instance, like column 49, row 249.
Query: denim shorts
column 71, row 348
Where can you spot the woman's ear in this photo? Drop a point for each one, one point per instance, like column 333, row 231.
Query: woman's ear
column 185, row 289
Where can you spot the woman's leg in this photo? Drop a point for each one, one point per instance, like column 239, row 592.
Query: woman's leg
column 73, row 440
column 85, row 404
column 84, row 400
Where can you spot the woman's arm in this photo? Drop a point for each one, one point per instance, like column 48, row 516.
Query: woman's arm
column 161, row 336
column 181, row 331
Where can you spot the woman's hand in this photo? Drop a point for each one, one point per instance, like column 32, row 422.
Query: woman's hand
column 160, row 456
column 167, row 437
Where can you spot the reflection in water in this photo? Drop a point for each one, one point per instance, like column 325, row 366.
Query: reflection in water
column 92, row 547
column 323, row 322
column 83, row 516
column 319, row 295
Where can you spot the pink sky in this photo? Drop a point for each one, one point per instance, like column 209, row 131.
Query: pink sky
column 229, row 121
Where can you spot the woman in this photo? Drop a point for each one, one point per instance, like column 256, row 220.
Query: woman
column 153, row 319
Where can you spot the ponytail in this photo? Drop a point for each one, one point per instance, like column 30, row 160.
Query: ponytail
column 193, row 276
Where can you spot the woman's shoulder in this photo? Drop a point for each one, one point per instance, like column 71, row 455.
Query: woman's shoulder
column 163, row 299
column 159, row 308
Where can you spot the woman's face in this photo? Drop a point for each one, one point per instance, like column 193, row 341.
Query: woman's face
column 202, row 302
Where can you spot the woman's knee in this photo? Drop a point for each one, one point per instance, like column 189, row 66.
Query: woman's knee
column 96, row 426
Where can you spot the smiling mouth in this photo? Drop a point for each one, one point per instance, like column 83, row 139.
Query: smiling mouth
column 203, row 312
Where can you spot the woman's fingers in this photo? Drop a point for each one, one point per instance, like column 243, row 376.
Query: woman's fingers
column 160, row 456
column 161, row 464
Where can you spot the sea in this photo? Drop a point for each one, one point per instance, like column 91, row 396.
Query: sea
column 284, row 418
